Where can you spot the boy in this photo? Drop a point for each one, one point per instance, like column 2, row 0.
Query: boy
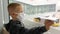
column 15, row 27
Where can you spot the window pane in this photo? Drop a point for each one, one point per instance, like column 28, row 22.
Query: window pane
column 29, row 9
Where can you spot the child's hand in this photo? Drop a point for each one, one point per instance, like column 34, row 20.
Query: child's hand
column 48, row 23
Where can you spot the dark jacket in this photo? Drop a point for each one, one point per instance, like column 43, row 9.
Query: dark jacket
column 15, row 27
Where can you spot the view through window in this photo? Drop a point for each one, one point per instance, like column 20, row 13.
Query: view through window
column 29, row 9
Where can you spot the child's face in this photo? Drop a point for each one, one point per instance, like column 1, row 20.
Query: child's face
column 16, row 11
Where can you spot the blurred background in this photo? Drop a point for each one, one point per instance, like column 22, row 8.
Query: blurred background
column 32, row 9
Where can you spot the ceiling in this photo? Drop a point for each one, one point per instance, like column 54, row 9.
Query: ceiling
column 38, row 2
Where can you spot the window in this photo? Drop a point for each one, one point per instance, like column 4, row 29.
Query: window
column 29, row 9
column 10, row 1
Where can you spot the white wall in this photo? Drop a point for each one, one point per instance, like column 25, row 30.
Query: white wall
column 5, row 11
column 1, row 14
column 58, row 5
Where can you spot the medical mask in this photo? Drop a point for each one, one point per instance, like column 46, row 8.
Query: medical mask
column 20, row 16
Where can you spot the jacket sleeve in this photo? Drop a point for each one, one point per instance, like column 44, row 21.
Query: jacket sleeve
column 7, row 26
column 38, row 30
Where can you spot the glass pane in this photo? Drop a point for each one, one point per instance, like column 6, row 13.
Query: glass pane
column 10, row 1
column 29, row 9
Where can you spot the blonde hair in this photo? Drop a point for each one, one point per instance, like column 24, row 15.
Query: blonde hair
column 13, row 6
